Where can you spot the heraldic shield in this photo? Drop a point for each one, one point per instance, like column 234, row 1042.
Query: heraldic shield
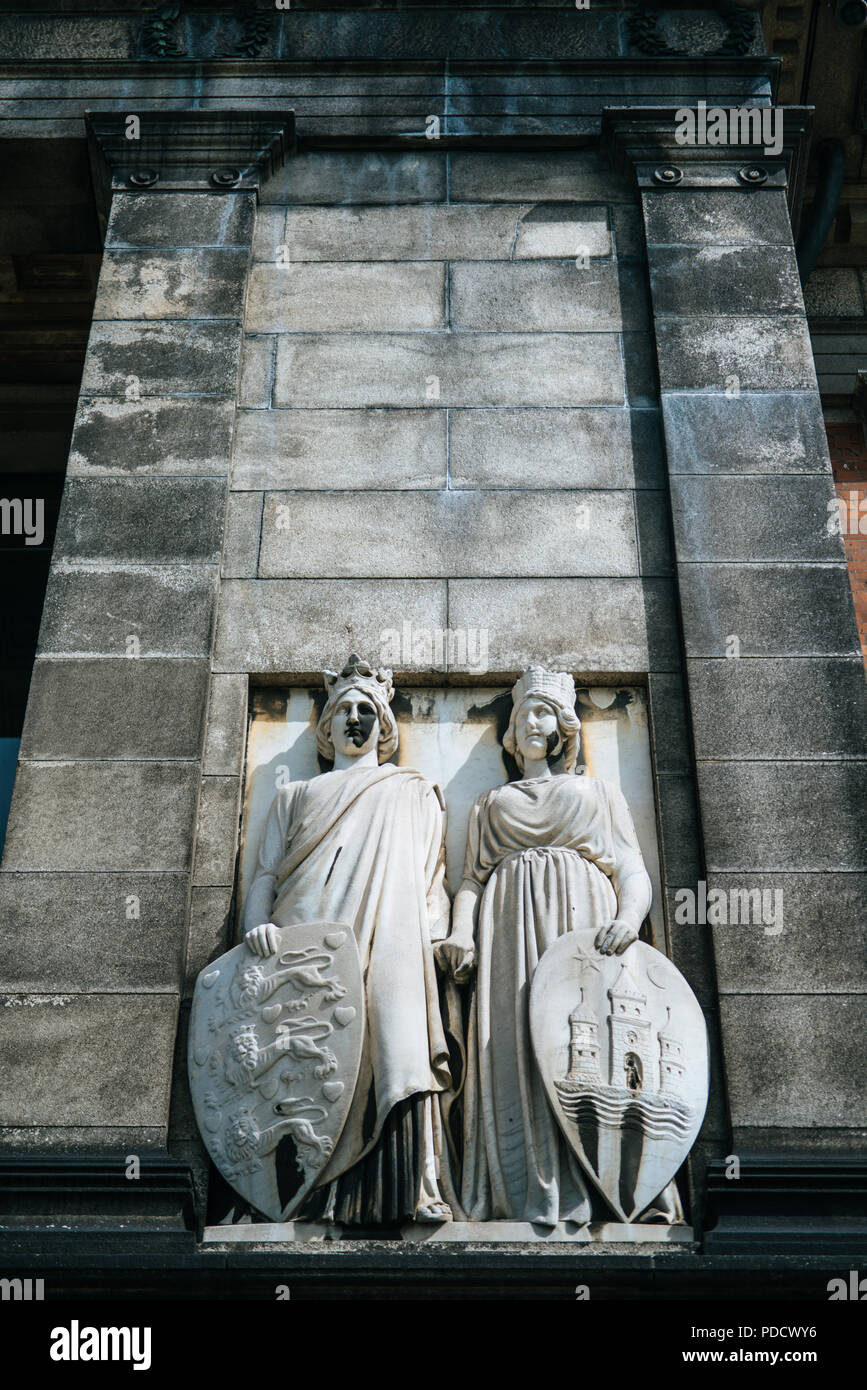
column 275, row 1046
column 621, row 1044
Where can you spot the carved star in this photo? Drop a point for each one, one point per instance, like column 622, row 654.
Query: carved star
column 586, row 962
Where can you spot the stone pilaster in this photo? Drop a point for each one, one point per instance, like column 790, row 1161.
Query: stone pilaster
column 130, row 758
column 775, row 687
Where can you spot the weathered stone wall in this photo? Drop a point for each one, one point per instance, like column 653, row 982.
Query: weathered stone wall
column 446, row 419
column 437, row 403
column 776, row 683
column 390, row 400
column 118, row 764
column 449, row 422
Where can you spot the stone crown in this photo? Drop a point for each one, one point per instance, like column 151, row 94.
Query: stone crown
column 360, row 675
column 550, row 685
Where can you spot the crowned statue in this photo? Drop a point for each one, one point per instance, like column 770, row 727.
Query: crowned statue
column 363, row 844
column 550, row 854
column 337, row 1073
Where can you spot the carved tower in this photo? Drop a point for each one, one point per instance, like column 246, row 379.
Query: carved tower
column 583, row 1046
column 671, row 1067
column 631, row 1062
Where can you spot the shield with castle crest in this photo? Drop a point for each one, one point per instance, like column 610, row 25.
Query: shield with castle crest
column 621, row 1044
column 275, row 1046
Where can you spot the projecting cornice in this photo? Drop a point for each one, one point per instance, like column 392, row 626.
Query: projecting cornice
column 192, row 149
column 644, row 140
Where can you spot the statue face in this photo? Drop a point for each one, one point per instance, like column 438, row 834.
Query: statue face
column 354, row 724
column 537, row 732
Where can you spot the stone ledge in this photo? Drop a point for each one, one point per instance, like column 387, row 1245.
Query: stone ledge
column 189, row 149
column 464, row 1233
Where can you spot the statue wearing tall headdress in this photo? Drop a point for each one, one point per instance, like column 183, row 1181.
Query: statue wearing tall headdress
column 546, row 855
column 362, row 844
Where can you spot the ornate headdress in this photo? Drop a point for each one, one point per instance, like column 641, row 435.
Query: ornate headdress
column 558, row 689
column 359, row 675
column 376, row 685
column 556, row 686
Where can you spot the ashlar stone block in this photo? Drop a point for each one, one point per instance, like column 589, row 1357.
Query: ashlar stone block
column 297, row 624
column 171, row 284
column 359, row 449
column 227, row 725
column 612, row 626
column 256, row 382
column 713, row 217
column 744, row 432
column 343, row 296
column 217, row 831
column 724, row 280
column 142, row 519
column 557, row 448
column 115, row 610
column 358, row 176
column 433, row 370
column 453, row 533
column 774, row 1079
column 107, row 708
column 116, row 932
column 757, row 353
column 105, row 816
column 154, row 436
column 129, row 360
column 754, row 519
column 744, row 708
column 191, row 219
column 768, row 610
column 545, row 176
column 808, row 938
column 764, row 816
column 88, row 1083
column 557, row 296
column 242, row 528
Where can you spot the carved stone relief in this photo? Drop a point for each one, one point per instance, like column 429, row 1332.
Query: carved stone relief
column 274, row 1051
column 371, row 1056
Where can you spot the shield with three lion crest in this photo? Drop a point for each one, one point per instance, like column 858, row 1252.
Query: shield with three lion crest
column 621, row 1044
column 275, row 1046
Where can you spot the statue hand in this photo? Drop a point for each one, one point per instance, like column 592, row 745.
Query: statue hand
column 456, row 957
column 613, row 940
column 262, row 940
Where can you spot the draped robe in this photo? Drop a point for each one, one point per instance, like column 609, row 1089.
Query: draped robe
column 365, row 846
column 544, row 850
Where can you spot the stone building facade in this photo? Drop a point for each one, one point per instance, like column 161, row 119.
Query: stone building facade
column 424, row 317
